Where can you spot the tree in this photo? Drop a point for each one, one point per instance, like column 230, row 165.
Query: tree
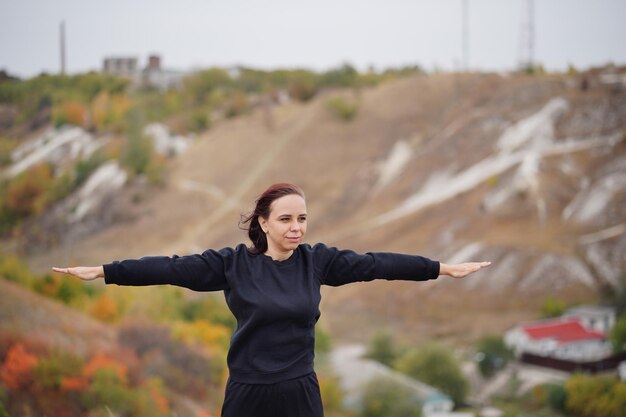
column 138, row 153
column 436, row 366
column 382, row 349
column 595, row 396
column 385, row 398
column 618, row 334
column 493, row 355
column 51, row 371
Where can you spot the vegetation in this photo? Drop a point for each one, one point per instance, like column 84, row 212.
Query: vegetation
column 617, row 336
column 106, row 104
column 383, row 349
column 595, row 396
column 432, row 364
column 342, row 108
column 552, row 307
column 190, row 338
column 384, row 398
column 436, row 366
column 493, row 355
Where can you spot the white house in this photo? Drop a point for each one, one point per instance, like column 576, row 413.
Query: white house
column 562, row 338
column 599, row 318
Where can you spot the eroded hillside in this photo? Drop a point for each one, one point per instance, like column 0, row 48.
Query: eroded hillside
column 529, row 172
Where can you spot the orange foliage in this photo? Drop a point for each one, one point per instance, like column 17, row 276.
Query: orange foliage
column 17, row 367
column 105, row 309
column 74, row 113
column 100, row 361
column 26, row 194
column 207, row 334
column 99, row 110
column 109, row 111
column 74, row 383
column 203, row 413
column 159, row 399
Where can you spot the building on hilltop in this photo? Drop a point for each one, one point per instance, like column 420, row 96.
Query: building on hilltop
column 125, row 67
column 153, row 75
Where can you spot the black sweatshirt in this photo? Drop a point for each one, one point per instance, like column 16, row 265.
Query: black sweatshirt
column 276, row 304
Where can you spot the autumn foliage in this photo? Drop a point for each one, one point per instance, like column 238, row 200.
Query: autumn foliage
column 105, row 309
column 100, row 361
column 17, row 368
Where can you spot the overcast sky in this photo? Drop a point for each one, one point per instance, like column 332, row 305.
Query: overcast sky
column 320, row 34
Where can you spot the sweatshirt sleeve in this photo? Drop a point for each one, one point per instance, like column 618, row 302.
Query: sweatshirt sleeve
column 201, row 272
column 339, row 267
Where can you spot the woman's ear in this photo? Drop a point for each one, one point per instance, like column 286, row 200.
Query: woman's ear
column 263, row 223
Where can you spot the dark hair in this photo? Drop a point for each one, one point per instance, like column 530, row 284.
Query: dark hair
column 262, row 209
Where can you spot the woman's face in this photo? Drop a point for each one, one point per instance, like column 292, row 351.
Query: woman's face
column 286, row 225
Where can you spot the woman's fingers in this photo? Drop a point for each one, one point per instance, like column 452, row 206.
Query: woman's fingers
column 470, row 267
column 82, row 272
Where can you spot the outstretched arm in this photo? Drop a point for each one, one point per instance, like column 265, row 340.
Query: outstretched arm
column 87, row 273
column 199, row 272
column 461, row 270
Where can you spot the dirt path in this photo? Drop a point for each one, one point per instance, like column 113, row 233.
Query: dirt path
column 230, row 198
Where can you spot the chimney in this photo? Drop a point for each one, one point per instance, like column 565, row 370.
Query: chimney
column 154, row 63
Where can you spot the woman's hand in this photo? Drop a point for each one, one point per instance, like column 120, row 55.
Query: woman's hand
column 86, row 273
column 461, row 270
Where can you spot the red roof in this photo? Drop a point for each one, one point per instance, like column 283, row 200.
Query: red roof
column 563, row 331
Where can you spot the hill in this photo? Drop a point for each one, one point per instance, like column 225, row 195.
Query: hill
column 57, row 361
column 526, row 171
column 26, row 315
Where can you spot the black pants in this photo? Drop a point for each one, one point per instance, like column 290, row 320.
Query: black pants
column 298, row 397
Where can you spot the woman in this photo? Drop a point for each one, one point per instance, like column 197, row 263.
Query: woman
column 273, row 289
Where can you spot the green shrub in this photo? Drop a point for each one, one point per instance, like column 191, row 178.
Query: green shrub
column 617, row 335
column 322, row 340
column 13, row 269
column 436, row 366
column 595, row 396
column 302, row 85
column 50, row 371
column 209, row 308
column 343, row 109
column 552, row 307
column 344, row 76
column 138, row 151
column 385, row 398
column 236, row 105
column 382, row 348
column 200, row 121
column 7, row 146
column 556, row 397
column 493, row 355
column 107, row 389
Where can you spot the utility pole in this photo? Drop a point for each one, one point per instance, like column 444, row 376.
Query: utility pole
column 62, row 36
column 465, row 34
column 527, row 38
